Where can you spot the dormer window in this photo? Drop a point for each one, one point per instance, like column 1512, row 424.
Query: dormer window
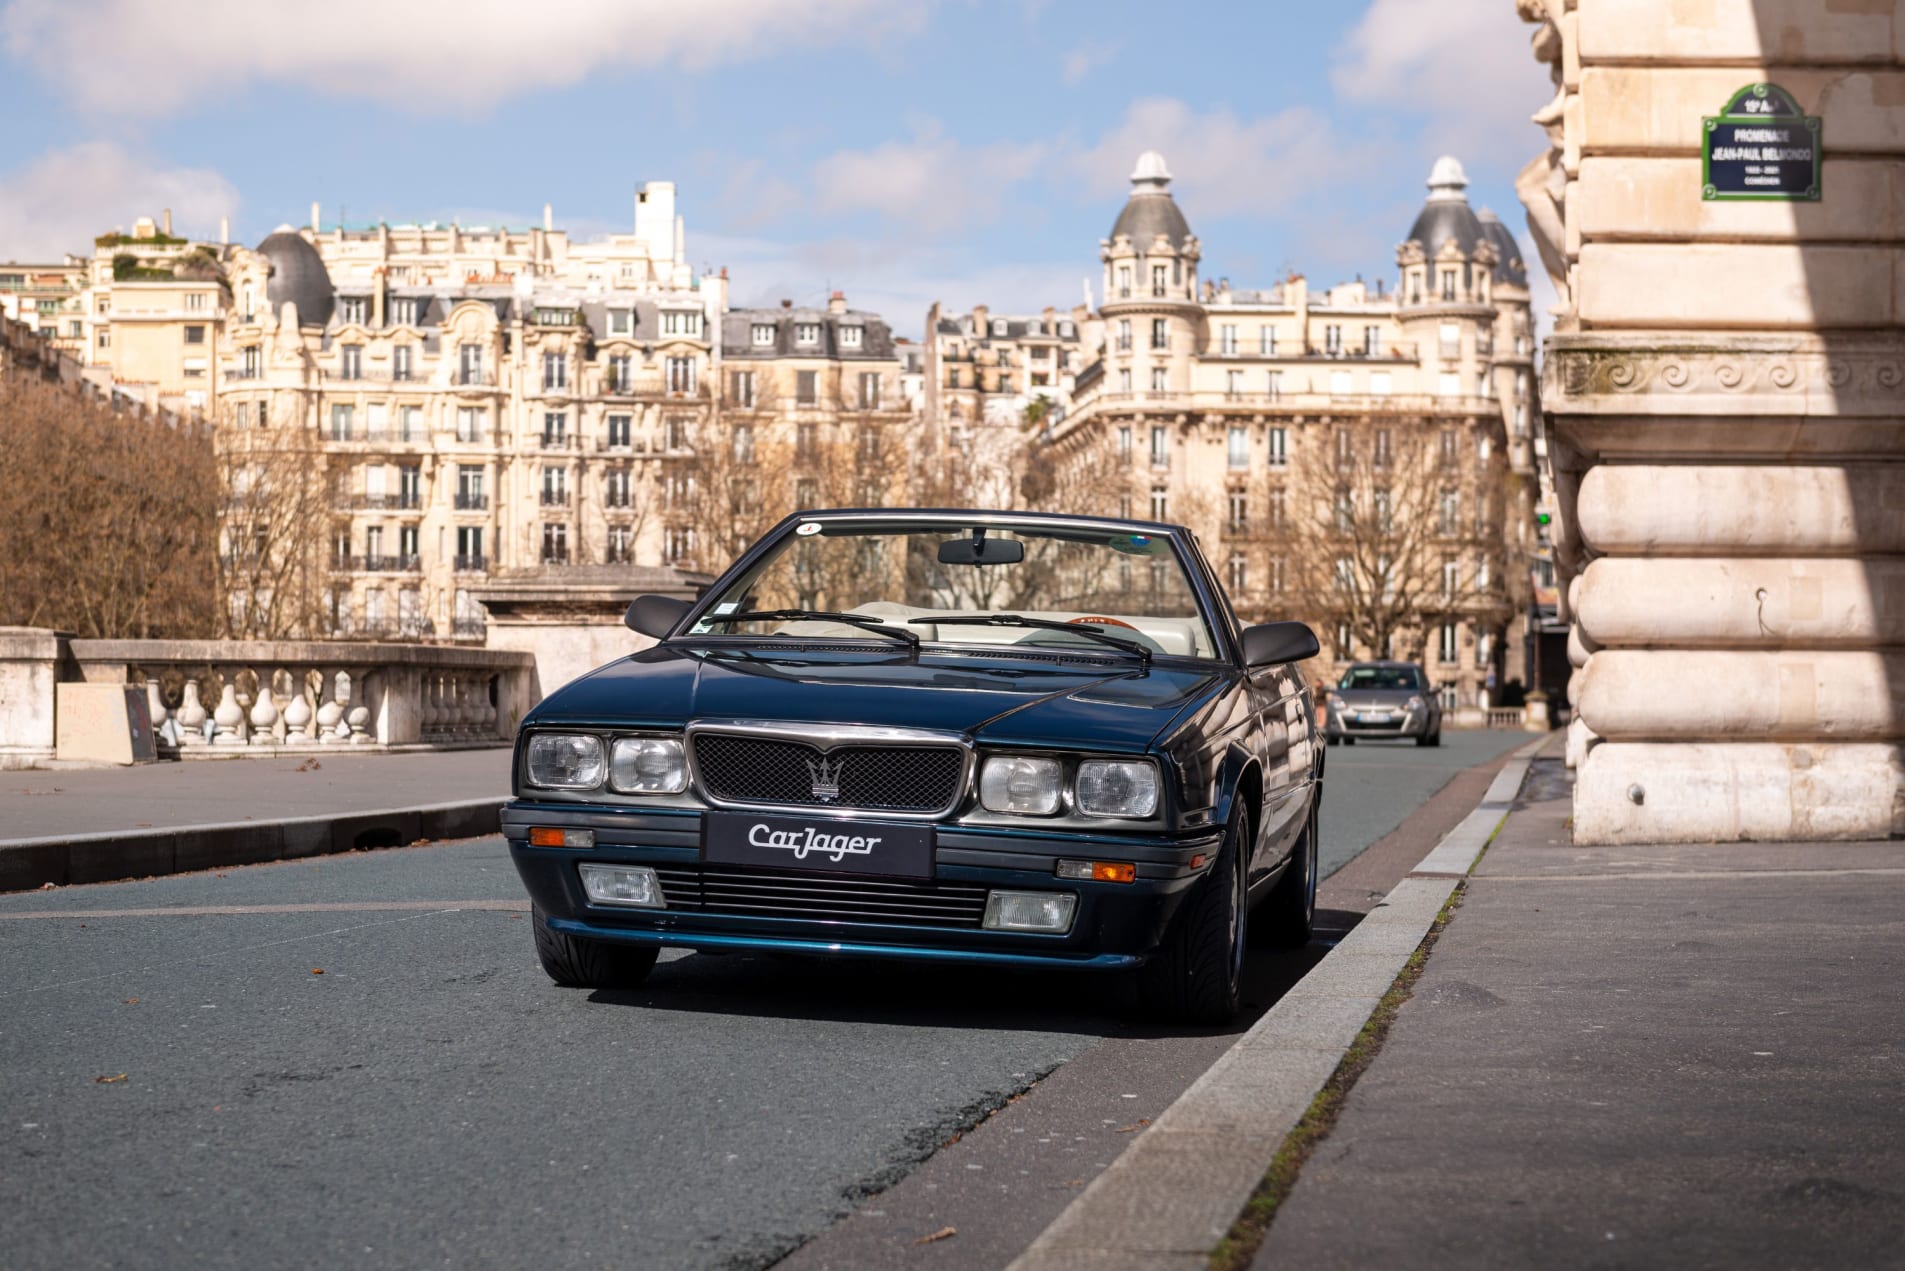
column 850, row 337
column 1065, row 330
column 806, row 333
column 351, row 309
column 998, row 327
column 403, row 311
column 1035, row 327
column 621, row 322
column 681, row 322
column 763, row 335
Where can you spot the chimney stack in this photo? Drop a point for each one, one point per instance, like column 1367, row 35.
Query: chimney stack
column 168, row 222
column 316, row 226
column 837, row 303
column 225, row 230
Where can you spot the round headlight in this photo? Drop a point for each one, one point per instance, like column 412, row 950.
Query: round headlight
column 648, row 765
column 565, row 761
column 1117, row 787
column 1020, row 784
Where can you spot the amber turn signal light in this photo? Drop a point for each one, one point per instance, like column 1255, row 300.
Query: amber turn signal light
column 1099, row 871
column 549, row 836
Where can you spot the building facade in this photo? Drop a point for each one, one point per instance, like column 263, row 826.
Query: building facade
column 1396, row 424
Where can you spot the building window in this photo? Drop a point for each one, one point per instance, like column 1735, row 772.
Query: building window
column 741, row 388
column 1276, row 575
column 1124, row 380
column 870, row 390
column 1160, row 503
column 1239, row 511
column 806, row 333
column 1227, row 339
column 469, row 423
column 194, row 301
column 621, row 373
column 681, row 322
column 1446, row 647
column 1234, row 383
column 1238, row 565
column 1160, row 333
column 616, row 488
column 762, row 334
column 340, row 422
column 1124, row 335
column 1273, row 384
column 851, row 337
column 555, row 543
column 469, row 364
column 469, row 488
column 681, row 374
column 1124, row 282
column 1384, row 509
column 469, row 547
column 403, row 311
column 1450, row 449
column 1278, row 440
column 555, row 486
column 621, row 431
column 400, row 362
column 1384, row 440
column 194, row 333
column 1345, row 450
column 1451, row 578
column 1238, row 449
column 105, row 340
column 1157, row 379
column 680, row 545
column 408, row 552
column 1158, row 275
column 351, row 309
column 621, row 541
column 1448, row 284
column 621, row 322
column 555, row 371
column 1333, row 340
column 555, row 429
column 410, row 487
column 743, row 442
column 806, row 445
column 1267, row 341
column 1160, row 447
column 806, row 388
column 1449, row 513
column 1372, row 341
column 1124, row 441
column 351, row 364
column 675, row 433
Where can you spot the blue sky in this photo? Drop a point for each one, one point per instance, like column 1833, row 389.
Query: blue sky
column 903, row 151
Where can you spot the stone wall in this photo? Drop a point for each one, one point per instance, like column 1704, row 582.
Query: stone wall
column 1724, row 394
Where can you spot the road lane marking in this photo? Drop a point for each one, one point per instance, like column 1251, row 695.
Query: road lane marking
column 325, row 907
column 1686, row 875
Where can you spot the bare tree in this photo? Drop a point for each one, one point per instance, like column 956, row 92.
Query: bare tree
column 107, row 526
column 276, row 491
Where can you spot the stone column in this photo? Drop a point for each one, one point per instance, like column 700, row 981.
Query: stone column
column 1724, row 394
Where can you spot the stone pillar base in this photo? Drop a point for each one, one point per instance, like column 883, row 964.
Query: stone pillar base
column 1652, row 792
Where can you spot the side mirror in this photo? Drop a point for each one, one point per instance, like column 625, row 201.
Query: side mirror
column 655, row 615
column 1274, row 643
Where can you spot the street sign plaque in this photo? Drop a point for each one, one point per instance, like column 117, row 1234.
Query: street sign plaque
column 1761, row 146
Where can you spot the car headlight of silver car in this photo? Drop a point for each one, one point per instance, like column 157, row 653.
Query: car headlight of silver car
column 1337, row 705
column 1117, row 787
column 565, row 761
column 1022, row 784
column 648, row 765
column 1413, row 704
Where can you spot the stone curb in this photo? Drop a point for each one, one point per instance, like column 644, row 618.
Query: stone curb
column 1174, row 1193
column 27, row 864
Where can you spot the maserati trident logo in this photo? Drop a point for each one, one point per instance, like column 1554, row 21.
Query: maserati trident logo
column 825, row 777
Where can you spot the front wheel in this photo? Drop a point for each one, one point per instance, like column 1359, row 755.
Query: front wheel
column 576, row 963
column 1287, row 915
column 1196, row 975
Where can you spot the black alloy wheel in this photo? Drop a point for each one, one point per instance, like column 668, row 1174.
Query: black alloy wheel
column 576, row 963
column 1287, row 916
column 1196, row 975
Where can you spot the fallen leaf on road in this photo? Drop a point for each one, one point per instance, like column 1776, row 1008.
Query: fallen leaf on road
column 944, row 1233
column 1073, row 1182
column 48, row 886
column 132, row 1001
column 107, row 1081
column 1134, row 1126
column 317, row 970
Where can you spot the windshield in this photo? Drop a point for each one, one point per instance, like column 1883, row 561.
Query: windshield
column 1382, row 677
column 927, row 578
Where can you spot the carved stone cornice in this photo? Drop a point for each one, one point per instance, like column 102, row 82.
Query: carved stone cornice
column 1854, row 375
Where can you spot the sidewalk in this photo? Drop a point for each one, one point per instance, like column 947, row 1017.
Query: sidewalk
column 94, row 824
column 1661, row 1056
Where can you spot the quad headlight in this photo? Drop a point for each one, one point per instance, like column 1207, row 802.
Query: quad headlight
column 1117, row 787
column 565, row 761
column 1021, row 783
column 648, row 765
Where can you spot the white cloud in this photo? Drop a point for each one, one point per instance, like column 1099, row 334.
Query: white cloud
column 1083, row 60
column 59, row 201
column 432, row 56
column 1461, row 68
column 1222, row 165
column 929, row 183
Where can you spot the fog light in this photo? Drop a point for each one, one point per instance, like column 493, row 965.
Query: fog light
column 1030, row 910
column 633, row 885
column 1099, row 871
column 549, row 836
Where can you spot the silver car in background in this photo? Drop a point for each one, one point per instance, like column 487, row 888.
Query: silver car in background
column 1384, row 699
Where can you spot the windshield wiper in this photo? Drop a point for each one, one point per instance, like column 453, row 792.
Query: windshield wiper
column 1049, row 624
column 866, row 621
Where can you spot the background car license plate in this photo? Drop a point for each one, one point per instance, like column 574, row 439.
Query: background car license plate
column 817, row 843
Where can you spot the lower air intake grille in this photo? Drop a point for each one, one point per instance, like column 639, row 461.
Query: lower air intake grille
column 821, row 897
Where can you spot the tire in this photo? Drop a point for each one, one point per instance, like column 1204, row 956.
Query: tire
column 576, row 963
column 1333, row 740
column 1196, row 975
column 1287, row 917
column 1349, row 741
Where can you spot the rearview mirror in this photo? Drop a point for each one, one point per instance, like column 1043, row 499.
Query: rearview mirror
column 981, row 551
column 1274, row 643
column 655, row 615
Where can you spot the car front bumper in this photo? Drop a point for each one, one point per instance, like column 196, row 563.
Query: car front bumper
column 1396, row 723
column 1115, row 924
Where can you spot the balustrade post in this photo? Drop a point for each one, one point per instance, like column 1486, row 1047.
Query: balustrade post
column 330, row 714
column 264, row 711
column 298, row 712
column 357, row 718
column 229, row 718
column 191, row 717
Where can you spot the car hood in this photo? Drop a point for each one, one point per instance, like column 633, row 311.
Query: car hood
column 1000, row 700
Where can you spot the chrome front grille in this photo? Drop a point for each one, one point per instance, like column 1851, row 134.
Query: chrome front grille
column 821, row 897
column 872, row 777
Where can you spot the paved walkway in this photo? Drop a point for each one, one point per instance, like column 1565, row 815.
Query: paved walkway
column 45, row 803
column 1653, row 1056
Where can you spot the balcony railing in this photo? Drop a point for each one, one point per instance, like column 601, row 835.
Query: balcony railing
column 558, row 441
column 471, row 564
column 466, row 378
column 555, row 498
column 468, row 628
column 472, row 502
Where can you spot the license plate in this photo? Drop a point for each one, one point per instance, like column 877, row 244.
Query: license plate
column 818, row 843
column 1373, row 717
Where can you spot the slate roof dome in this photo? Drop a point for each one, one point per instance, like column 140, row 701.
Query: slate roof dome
column 298, row 275
column 1510, row 267
column 1151, row 210
column 1447, row 214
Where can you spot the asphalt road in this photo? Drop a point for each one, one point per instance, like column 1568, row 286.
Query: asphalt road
column 356, row 1060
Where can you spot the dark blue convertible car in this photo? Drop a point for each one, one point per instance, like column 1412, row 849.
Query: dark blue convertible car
column 989, row 737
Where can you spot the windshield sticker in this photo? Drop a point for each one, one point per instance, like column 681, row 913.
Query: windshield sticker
column 726, row 607
column 807, row 527
column 1137, row 545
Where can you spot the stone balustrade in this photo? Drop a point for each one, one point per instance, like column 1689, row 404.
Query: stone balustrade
column 229, row 698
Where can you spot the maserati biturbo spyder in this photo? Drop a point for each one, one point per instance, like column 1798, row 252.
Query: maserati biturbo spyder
column 997, row 738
